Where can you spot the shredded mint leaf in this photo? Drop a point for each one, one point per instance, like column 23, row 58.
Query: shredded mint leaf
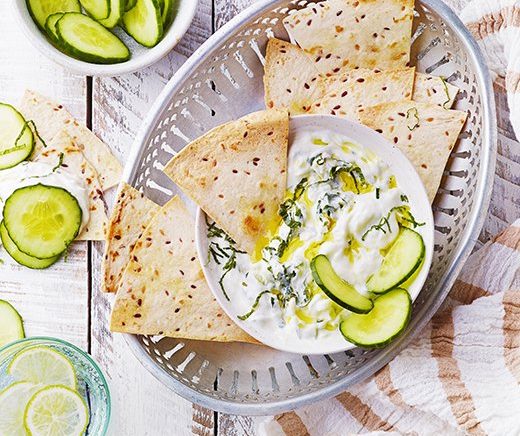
column 412, row 118
column 446, row 90
column 60, row 162
column 254, row 306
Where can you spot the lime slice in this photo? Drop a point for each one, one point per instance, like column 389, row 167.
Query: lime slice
column 13, row 401
column 43, row 365
column 56, row 411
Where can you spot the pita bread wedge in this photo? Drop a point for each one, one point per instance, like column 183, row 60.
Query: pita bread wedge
column 131, row 214
column 163, row 290
column 291, row 78
column 50, row 118
column 425, row 133
column 74, row 161
column 435, row 90
column 237, row 174
column 348, row 92
column 354, row 33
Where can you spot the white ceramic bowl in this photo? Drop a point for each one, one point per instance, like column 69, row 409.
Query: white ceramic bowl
column 408, row 181
column 141, row 56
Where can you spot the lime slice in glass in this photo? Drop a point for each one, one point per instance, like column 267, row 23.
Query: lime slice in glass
column 42, row 365
column 57, row 411
column 13, row 401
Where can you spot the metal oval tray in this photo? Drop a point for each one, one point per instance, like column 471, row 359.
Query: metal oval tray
column 223, row 81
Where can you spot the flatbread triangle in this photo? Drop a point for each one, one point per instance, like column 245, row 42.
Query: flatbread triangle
column 237, row 174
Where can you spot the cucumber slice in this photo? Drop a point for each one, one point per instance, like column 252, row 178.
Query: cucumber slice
column 42, row 220
column 11, row 324
column 337, row 289
column 117, row 9
column 16, row 138
column 86, row 39
column 50, row 27
column 97, row 9
column 401, row 261
column 129, row 4
column 167, row 12
column 41, row 9
column 20, row 257
column 386, row 321
column 144, row 22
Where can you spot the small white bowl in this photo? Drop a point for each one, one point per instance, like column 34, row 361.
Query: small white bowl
column 141, row 56
column 408, row 181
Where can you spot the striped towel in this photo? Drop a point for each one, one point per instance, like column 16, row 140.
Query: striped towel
column 460, row 376
column 495, row 24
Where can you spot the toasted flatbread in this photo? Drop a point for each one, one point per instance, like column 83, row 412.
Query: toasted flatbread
column 435, row 90
column 291, row 78
column 237, row 173
column 74, row 162
column 347, row 92
column 131, row 214
column 354, row 33
column 163, row 290
column 425, row 133
column 50, row 118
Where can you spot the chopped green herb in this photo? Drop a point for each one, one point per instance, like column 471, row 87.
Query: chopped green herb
column 404, row 198
column 447, row 91
column 403, row 216
column 219, row 253
column 412, row 118
column 60, row 162
column 377, row 193
column 254, row 306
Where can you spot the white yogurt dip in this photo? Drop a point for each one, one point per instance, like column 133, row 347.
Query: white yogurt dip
column 34, row 173
column 343, row 202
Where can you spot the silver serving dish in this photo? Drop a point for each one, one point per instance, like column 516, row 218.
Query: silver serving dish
column 223, row 81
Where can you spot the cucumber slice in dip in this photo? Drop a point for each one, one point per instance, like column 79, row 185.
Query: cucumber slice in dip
column 336, row 288
column 167, row 13
column 41, row 9
column 117, row 9
column 42, row 220
column 50, row 27
column 20, row 257
column 386, row 321
column 86, row 39
column 144, row 22
column 11, row 324
column 401, row 261
column 97, row 9
column 16, row 138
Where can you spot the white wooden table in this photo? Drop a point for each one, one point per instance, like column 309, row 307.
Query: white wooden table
column 66, row 301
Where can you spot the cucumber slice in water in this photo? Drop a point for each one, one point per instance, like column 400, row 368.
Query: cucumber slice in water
column 11, row 324
column 41, row 9
column 401, row 261
column 337, row 289
column 97, row 9
column 50, row 27
column 144, row 22
column 386, row 321
column 16, row 138
column 20, row 257
column 86, row 39
column 42, row 220
column 117, row 9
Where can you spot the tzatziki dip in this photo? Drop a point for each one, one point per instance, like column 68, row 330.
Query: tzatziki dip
column 33, row 173
column 324, row 258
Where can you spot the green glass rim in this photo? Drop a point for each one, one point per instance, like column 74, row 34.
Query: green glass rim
column 87, row 356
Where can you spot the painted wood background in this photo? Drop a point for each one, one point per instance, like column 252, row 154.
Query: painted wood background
column 66, row 300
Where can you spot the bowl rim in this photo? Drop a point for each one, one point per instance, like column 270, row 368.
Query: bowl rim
column 171, row 38
column 467, row 242
column 78, row 350
column 399, row 165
